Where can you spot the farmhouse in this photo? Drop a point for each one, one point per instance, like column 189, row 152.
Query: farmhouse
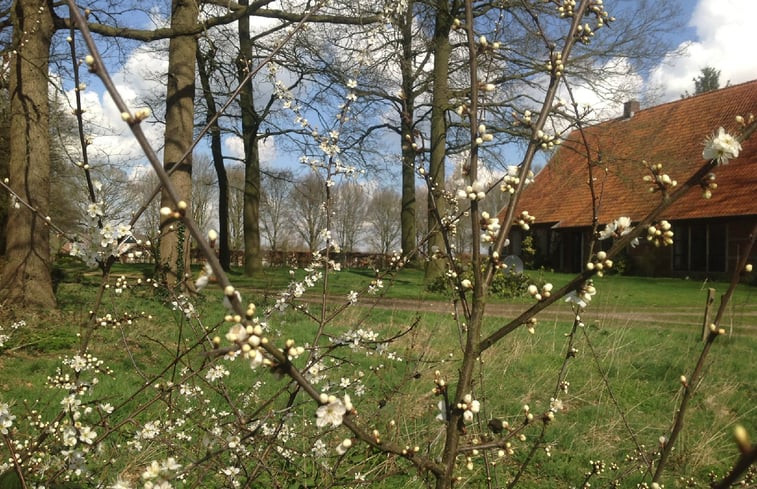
column 710, row 234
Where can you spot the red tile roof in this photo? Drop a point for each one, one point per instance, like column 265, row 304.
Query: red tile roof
column 672, row 134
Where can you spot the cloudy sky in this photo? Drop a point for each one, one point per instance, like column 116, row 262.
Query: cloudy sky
column 716, row 33
column 719, row 34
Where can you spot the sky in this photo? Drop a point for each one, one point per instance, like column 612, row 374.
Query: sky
column 716, row 33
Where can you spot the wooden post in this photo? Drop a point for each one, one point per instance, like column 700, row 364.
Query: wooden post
column 706, row 323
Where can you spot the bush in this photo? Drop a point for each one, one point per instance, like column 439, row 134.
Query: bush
column 506, row 284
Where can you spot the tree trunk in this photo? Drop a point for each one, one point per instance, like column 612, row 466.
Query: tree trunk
column 174, row 238
column 407, row 214
column 224, row 254
column 26, row 280
column 253, row 262
column 439, row 103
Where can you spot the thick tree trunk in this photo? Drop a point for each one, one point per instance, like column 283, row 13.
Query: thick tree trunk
column 174, row 238
column 253, row 260
column 26, row 278
column 224, row 254
column 439, row 103
column 407, row 214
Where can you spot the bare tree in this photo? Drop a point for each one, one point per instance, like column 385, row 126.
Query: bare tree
column 236, row 207
column 383, row 209
column 308, row 213
column 204, row 191
column 275, row 211
column 139, row 189
column 205, row 64
column 349, row 204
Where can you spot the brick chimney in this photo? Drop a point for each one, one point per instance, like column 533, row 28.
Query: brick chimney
column 630, row 108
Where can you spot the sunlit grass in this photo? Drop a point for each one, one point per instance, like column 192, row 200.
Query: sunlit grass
column 641, row 359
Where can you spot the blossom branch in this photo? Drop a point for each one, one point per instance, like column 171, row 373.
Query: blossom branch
column 690, row 383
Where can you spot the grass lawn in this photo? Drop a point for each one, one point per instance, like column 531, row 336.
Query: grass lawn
column 623, row 383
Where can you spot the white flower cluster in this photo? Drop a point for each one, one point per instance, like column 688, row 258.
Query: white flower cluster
column 566, row 9
column 249, row 338
column 617, row 228
column 4, row 338
column 658, row 179
column 469, row 407
column 354, row 338
column 216, row 372
column 721, row 147
column 531, row 325
column 474, row 191
column 555, row 64
column 332, row 410
column 6, row 418
column 546, row 141
column 297, row 289
column 79, row 364
column 184, row 304
column 291, row 350
column 352, row 297
column 483, row 135
column 511, row 180
column 489, row 226
column 660, row 234
column 545, row 292
column 582, row 296
column 158, row 474
column 708, row 184
column 375, row 286
column 106, row 237
column 600, row 263
column 525, row 220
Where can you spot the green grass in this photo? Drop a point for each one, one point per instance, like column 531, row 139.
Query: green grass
column 642, row 360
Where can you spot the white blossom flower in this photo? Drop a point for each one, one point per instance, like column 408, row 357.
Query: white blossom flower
column 215, row 373
column 352, row 297
column 617, row 228
column 95, row 209
column 721, row 147
column 330, row 413
column 120, row 484
column 87, row 435
column 150, row 430
column 123, row 229
column 442, row 415
column 69, row 437
column 582, row 296
column 319, row 448
column 555, row 405
column 6, row 418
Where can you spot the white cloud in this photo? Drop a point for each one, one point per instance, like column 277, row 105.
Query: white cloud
column 723, row 28
column 234, row 148
column 604, row 97
column 139, row 83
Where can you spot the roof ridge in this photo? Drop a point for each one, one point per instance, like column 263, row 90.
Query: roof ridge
column 708, row 93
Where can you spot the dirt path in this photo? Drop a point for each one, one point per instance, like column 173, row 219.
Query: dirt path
column 742, row 321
